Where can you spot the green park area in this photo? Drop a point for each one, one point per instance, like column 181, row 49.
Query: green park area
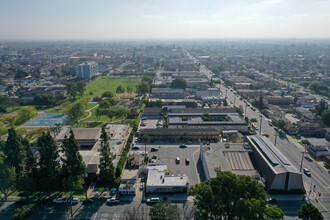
column 109, row 84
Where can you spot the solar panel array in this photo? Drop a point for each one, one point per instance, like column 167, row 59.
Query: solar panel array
column 275, row 151
column 265, row 151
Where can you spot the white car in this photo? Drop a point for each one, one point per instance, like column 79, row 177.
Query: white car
column 75, row 201
column 153, row 200
column 113, row 200
column 59, row 201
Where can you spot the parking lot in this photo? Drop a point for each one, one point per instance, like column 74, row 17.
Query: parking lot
column 167, row 154
column 152, row 123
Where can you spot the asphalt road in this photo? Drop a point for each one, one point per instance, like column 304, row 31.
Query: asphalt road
column 95, row 211
column 320, row 177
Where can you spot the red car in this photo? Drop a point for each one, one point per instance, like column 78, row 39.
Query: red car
column 143, row 124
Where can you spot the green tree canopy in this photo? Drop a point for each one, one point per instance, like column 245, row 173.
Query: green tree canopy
column 229, row 196
column 120, row 89
column 104, row 104
column 179, row 83
column 309, row 212
column 121, row 112
column 107, row 94
column 326, row 117
column 164, row 210
column 49, row 164
column 273, row 212
column 26, row 112
column 148, row 79
column 10, row 119
column 281, row 124
column 73, row 166
column 206, row 117
column 80, row 86
column 107, row 170
column 15, row 152
column 76, row 111
column 143, row 88
column 7, row 177
column 44, row 99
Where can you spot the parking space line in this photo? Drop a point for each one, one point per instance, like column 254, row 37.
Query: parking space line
column 95, row 216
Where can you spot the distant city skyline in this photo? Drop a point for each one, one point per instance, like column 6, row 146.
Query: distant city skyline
column 171, row 19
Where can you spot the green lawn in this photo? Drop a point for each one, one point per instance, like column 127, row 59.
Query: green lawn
column 109, row 84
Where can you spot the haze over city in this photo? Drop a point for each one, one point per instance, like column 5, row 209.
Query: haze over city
column 165, row 109
column 147, row 19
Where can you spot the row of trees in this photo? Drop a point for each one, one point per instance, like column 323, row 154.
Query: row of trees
column 121, row 89
column 24, row 172
column 75, row 89
column 52, row 172
column 10, row 120
column 145, row 85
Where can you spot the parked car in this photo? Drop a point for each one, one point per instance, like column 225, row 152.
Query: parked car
column 307, row 172
column 74, row 201
column 153, row 200
column 59, row 201
column 113, row 201
column 183, row 146
column 135, row 148
column 154, row 149
column 154, row 157
column 141, row 186
column 187, row 161
column 177, row 160
column 143, row 124
column 88, row 201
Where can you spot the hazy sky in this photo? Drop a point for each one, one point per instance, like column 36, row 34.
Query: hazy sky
column 154, row 19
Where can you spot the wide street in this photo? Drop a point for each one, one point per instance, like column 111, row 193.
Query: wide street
column 95, row 211
column 320, row 177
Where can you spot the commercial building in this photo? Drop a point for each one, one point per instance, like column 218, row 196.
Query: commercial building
column 233, row 157
column 220, row 118
column 168, row 93
column 128, row 183
column 318, row 147
column 90, row 143
column 277, row 100
column 158, row 180
column 87, row 70
column 88, row 139
column 277, row 171
column 179, row 133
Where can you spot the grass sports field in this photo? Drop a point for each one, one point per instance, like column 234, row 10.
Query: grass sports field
column 109, row 84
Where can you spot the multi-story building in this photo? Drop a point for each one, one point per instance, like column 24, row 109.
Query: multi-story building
column 168, row 93
column 87, row 70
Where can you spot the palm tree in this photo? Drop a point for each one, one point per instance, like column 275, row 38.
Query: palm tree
column 145, row 138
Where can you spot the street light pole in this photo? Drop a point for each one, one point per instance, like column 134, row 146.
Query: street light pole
column 260, row 124
column 302, row 160
column 275, row 137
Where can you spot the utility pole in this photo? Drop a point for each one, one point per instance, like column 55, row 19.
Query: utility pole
column 226, row 93
column 275, row 137
column 245, row 108
column 234, row 99
column 260, row 124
